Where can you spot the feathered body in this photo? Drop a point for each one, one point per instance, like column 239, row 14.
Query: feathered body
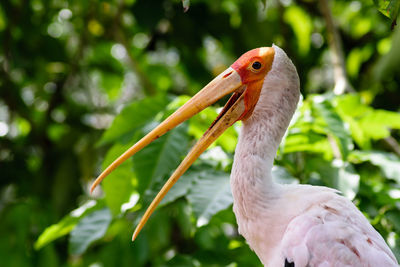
column 301, row 224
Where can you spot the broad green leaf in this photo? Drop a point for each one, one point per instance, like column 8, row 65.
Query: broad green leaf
column 381, row 121
column 310, row 142
column 389, row 8
column 182, row 187
column 161, row 157
column 209, row 195
column 388, row 163
column 89, row 229
column 362, row 118
column 119, row 185
column 132, row 118
column 64, row 226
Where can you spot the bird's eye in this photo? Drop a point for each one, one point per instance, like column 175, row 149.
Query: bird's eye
column 256, row 65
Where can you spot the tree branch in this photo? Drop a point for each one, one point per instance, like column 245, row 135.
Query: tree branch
column 342, row 83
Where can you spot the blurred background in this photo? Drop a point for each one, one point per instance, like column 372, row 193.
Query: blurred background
column 80, row 81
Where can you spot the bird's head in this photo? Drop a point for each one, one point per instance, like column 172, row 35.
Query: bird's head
column 244, row 79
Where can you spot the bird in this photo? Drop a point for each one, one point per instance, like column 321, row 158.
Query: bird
column 284, row 224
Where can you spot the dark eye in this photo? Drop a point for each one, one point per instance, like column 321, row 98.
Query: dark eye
column 256, row 65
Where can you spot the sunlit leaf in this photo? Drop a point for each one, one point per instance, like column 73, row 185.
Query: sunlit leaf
column 302, row 26
column 310, row 142
column 362, row 118
column 389, row 8
column 89, row 229
column 64, row 226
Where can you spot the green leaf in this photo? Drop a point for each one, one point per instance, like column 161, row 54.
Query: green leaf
column 389, row 8
column 209, row 195
column 388, row 163
column 348, row 180
column 132, row 118
column 333, row 123
column 182, row 187
column 91, row 228
column 56, row 231
column 302, row 26
column 310, row 142
column 64, row 226
column 381, row 121
column 362, row 118
column 161, row 157
column 119, row 184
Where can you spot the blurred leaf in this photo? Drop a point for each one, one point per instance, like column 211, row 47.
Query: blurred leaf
column 348, row 180
column 302, row 26
column 111, row 83
column 57, row 230
column 118, row 186
column 388, row 163
column 132, row 118
column 310, row 142
column 89, row 229
column 381, row 121
column 356, row 58
column 362, row 118
column 64, row 226
column 389, row 8
column 334, row 124
column 209, row 195
column 182, row 260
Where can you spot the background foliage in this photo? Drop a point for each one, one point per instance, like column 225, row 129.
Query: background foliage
column 80, row 81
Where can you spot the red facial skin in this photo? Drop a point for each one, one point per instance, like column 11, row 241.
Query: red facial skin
column 253, row 78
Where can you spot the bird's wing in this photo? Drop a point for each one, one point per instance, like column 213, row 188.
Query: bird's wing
column 334, row 233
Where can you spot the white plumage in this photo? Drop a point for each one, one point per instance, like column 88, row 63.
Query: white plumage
column 301, row 224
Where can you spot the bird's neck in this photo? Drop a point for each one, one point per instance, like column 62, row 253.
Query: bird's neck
column 253, row 190
column 251, row 180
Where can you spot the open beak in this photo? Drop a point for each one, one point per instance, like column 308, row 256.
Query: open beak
column 227, row 82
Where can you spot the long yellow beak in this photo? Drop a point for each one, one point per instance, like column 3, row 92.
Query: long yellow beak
column 227, row 82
